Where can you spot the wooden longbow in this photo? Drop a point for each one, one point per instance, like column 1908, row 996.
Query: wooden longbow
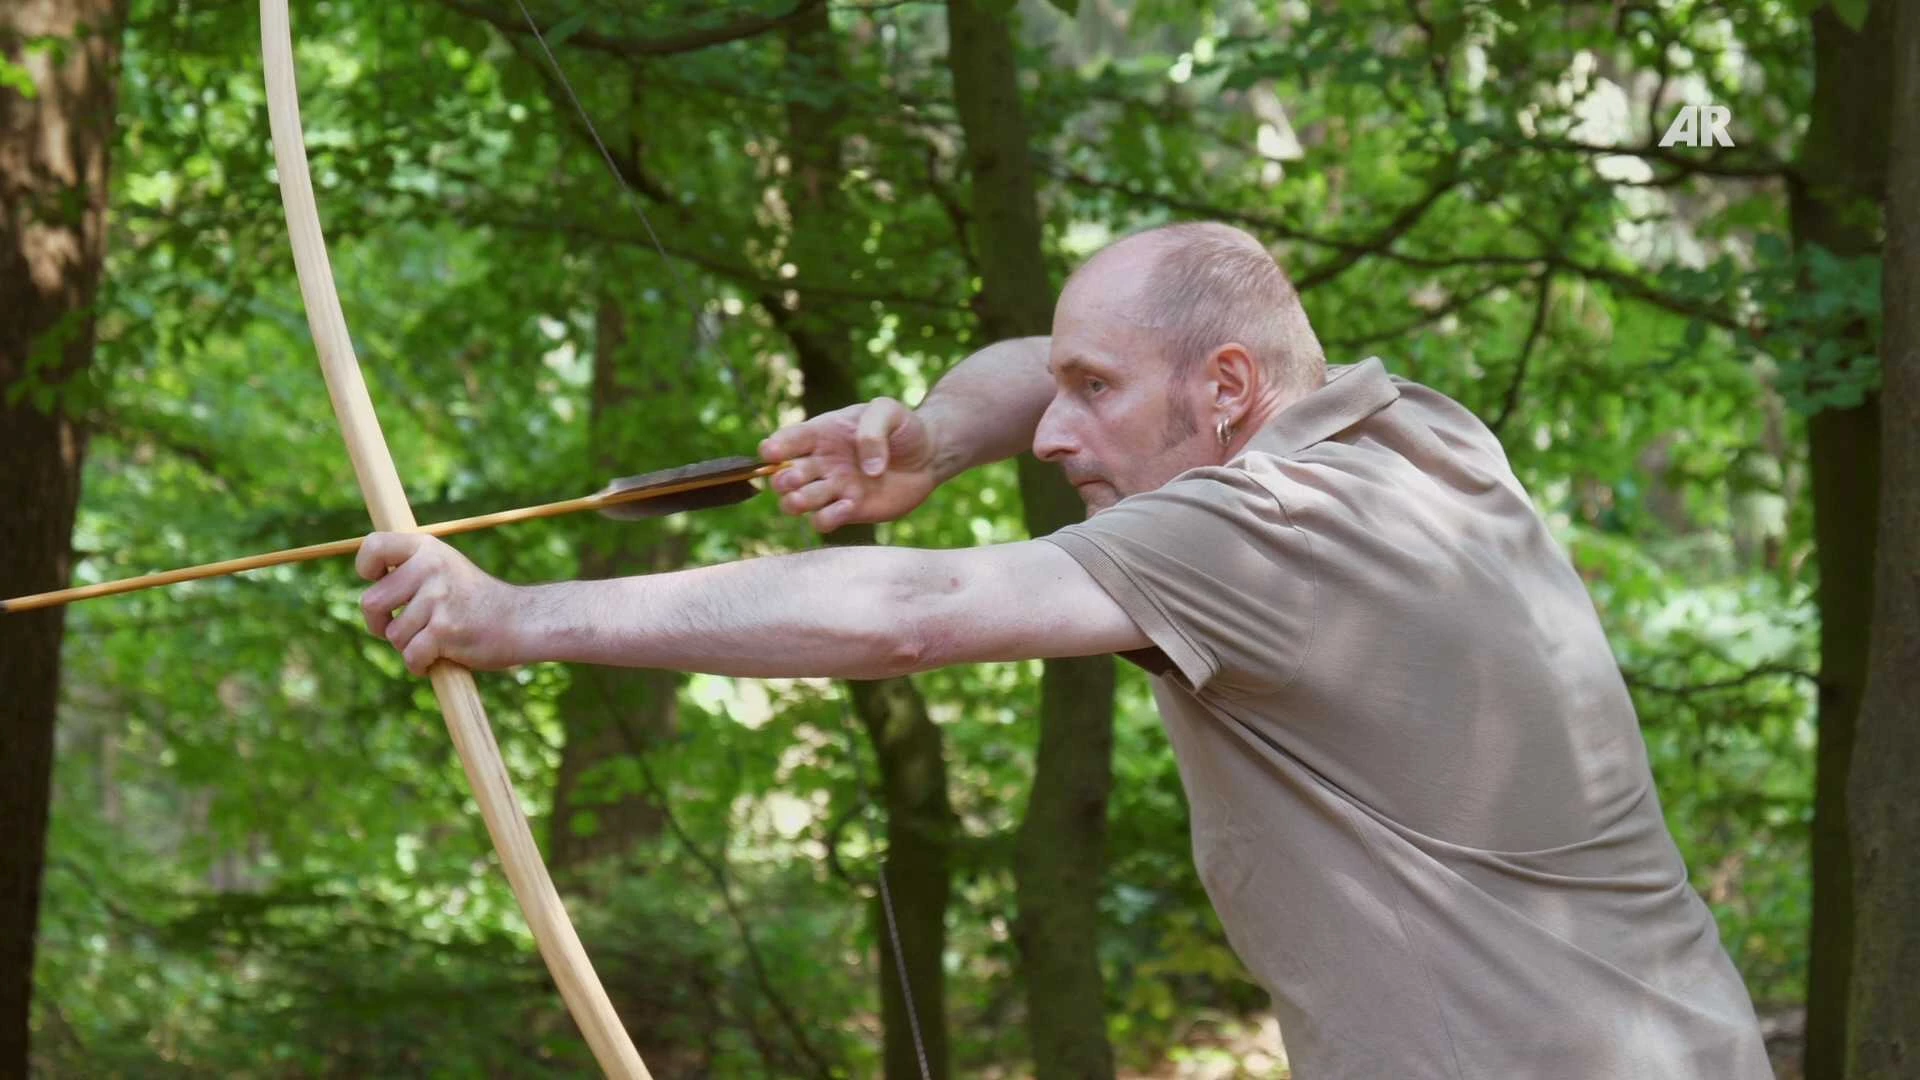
column 387, row 503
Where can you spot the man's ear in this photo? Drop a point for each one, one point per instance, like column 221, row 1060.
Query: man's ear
column 1234, row 371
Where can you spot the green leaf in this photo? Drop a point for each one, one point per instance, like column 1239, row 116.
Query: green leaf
column 17, row 78
column 1852, row 12
column 1071, row 7
column 559, row 32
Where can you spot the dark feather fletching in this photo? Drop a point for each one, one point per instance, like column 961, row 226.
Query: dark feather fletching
column 721, row 482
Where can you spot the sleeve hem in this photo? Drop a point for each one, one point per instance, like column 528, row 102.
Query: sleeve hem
column 1148, row 615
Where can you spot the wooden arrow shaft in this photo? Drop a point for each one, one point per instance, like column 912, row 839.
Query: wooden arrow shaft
column 332, row 548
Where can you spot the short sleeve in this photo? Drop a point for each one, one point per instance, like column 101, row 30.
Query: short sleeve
column 1209, row 567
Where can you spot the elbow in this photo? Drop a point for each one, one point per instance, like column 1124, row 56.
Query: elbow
column 914, row 630
column 886, row 653
column 899, row 658
column 907, row 645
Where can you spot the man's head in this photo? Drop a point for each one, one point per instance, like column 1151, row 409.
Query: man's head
column 1170, row 347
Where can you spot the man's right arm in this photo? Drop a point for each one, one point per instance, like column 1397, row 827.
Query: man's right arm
column 986, row 408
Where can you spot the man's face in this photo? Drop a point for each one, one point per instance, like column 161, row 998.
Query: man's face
column 1116, row 425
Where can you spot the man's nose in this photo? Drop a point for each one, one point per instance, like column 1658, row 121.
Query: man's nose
column 1051, row 438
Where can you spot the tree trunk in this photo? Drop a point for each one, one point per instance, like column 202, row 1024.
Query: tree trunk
column 53, row 199
column 907, row 743
column 609, row 712
column 1060, row 859
column 913, row 787
column 1883, row 1038
column 1839, row 176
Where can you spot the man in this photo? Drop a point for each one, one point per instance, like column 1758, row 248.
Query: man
column 1420, row 800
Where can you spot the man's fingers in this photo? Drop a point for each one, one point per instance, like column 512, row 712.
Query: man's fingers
column 422, row 651
column 795, row 476
column 813, row 496
column 407, row 625
column 383, row 551
column 833, row 516
column 394, row 590
column 877, row 424
column 792, row 441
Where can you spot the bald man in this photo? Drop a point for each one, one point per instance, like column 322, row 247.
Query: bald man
column 1420, row 801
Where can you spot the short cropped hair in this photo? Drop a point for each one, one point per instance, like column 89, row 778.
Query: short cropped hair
column 1211, row 284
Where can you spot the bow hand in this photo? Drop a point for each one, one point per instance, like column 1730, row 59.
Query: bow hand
column 432, row 603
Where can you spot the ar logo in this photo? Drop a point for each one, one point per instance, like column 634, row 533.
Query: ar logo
column 1699, row 125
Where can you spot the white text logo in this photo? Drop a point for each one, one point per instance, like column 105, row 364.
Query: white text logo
column 1699, row 125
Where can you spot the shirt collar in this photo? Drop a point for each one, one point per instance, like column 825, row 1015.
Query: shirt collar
column 1351, row 394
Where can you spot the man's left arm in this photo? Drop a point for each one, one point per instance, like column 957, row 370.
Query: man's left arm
column 853, row 612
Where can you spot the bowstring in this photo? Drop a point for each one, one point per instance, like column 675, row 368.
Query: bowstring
column 859, row 771
column 632, row 201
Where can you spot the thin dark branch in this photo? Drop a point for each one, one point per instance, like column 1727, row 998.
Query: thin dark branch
column 556, row 93
column 1381, row 246
column 1620, row 281
column 832, row 842
column 114, row 425
column 1351, row 250
column 1263, row 223
column 716, row 869
column 950, row 202
column 1401, row 223
column 1437, row 60
column 747, row 278
column 1459, row 302
column 665, row 45
column 1748, row 164
column 1540, row 307
column 1764, row 671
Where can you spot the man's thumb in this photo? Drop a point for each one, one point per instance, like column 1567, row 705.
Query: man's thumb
column 876, row 427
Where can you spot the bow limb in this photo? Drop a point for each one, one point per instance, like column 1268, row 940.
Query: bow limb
column 387, row 503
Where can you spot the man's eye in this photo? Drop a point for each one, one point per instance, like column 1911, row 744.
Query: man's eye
column 1094, row 386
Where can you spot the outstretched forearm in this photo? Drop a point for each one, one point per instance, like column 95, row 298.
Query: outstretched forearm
column 986, row 408
column 838, row 613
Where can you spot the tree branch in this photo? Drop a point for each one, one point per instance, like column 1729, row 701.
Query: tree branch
column 1540, row 307
column 1764, row 671
column 1459, row 302
column 1622, row 282
column 665, row 45
column 748, row 278
column 1261, row 222
column 1402, row 223
column 717, row 870
column 1749, row 166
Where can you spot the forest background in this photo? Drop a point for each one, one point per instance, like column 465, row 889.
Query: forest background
column 237, row 842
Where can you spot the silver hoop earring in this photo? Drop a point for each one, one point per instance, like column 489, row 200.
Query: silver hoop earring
column 1223, row 431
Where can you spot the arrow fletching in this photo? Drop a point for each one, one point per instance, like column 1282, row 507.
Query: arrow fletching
column 703, row 485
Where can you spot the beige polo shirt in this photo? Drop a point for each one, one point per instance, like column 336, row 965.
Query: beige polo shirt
column 1421, row 804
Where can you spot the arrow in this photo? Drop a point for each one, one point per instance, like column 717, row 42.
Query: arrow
column 700, row 486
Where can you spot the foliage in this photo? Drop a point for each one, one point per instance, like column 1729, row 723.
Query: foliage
column 264, row 861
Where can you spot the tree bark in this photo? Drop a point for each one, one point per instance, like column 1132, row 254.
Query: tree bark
column 607, row 711
column 602, row 816
column 908, row 745
column 1883, row 1038
column 53, row 199
column 1060, row 858
column 1839, row 177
